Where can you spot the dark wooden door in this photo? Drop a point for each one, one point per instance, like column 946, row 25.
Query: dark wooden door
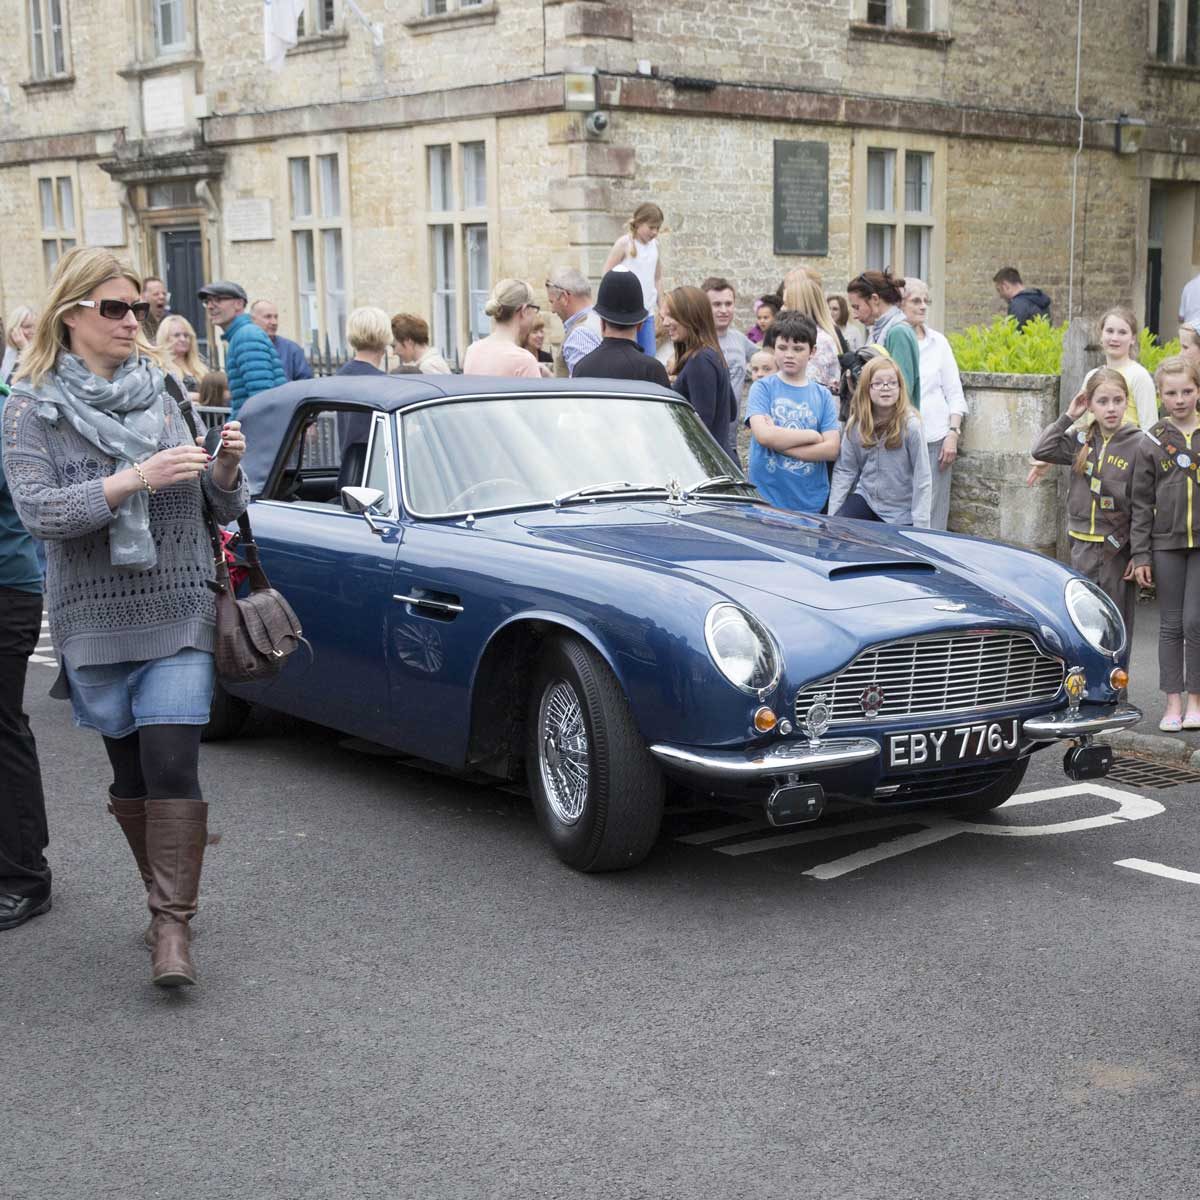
column 183, row 273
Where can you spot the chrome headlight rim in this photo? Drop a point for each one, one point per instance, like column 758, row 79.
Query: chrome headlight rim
column 1085, row 587
column 769, row 646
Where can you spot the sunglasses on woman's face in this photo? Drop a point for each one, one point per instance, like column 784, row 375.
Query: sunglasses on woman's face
column 115, row 310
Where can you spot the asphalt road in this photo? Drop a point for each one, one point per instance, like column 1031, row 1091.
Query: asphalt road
column 404, row 994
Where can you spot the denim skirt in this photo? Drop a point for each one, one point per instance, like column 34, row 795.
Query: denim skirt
column 116, row 699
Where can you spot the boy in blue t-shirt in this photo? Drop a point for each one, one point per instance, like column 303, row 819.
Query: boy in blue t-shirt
column 793, row 423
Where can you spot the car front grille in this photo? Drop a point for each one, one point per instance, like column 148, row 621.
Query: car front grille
column 935, row 676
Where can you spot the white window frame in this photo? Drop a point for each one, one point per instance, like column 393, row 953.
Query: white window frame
column 332, row 302
column 1177, row 37
column 64, row 233
column 897, row 16
column 161, row 47
column 461, row 221
column 39, row 17
column 315, row 23
column 898, row 217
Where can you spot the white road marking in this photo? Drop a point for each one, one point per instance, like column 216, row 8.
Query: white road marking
column 41, row 658
column 820, row 833
column 901, row 845
column 1153, row 868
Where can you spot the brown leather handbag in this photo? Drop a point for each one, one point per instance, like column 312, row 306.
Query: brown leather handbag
column 258, row 633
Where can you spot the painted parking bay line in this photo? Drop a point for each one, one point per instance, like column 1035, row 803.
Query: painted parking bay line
column 1153, row 868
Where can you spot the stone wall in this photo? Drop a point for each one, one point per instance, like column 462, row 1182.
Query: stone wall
column 989, row 497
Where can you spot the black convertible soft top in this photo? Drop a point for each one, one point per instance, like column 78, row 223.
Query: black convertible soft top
column 266, row 417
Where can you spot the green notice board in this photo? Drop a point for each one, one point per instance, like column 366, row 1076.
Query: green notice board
column 801, row 201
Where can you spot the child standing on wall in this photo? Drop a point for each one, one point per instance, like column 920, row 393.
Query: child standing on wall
column 1099, row 502
column 637, row 251
column 1165, row 536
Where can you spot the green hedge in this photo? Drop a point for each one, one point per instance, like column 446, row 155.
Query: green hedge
column 1002, row 349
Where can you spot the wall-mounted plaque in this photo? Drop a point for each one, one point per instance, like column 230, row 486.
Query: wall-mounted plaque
column 802, row 198
column 103, row 227
column 248, row 219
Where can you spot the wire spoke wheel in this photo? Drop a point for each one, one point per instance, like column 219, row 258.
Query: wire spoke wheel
column 563, row 758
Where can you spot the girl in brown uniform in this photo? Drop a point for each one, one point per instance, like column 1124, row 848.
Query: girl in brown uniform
column 1099, row 505
column 1166, row 533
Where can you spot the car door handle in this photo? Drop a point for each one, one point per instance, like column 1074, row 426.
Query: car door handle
column 426, row 602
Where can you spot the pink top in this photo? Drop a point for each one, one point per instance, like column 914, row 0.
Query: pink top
column 495, row 355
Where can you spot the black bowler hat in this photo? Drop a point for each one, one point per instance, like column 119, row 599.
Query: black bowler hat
column 619, row 300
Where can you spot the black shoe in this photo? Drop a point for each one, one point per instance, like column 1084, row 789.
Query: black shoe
column 16, row 910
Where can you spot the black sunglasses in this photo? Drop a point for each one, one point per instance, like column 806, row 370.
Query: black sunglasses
column 115, row 310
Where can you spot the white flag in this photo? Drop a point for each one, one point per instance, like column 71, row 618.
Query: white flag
column 280, row 18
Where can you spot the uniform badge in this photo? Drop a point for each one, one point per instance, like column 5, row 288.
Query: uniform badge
column 1095, row 485
column 1106, row 503
column 1184, row 460
column 1087, row 466
column 1113, row 541
column 1081, row 437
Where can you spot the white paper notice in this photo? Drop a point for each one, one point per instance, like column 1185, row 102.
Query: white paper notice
column 162, row 103
column 103, row 227
column 248, row 219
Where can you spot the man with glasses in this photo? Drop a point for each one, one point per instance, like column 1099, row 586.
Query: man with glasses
column 154, row 293
column 251, row 363
column 571, row 301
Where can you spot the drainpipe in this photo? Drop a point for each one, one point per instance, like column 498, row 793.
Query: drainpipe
column 1075, row 162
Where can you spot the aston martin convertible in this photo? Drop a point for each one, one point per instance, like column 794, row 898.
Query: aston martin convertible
column 569, row 583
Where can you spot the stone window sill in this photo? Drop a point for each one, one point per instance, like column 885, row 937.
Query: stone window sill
column 1172, row 70
column 319, row 41
column 155, row 66
column 930, row 39
column 34, row 87
column 462, row 18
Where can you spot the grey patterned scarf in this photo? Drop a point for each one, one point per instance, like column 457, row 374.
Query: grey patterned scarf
column 123, row 417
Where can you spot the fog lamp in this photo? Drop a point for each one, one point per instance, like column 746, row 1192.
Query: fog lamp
column 1118, row 679
column 764, row 719
column 1075, row 684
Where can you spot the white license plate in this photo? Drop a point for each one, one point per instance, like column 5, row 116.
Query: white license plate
column 952, row 745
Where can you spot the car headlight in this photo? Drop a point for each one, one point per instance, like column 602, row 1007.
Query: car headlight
column 741, row 648
column 1096, row 616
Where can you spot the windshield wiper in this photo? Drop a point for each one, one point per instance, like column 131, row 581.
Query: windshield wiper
column 716, row 481
column 605, row 489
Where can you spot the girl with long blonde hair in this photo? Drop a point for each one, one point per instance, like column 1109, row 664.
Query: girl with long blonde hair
column 22, row 322
column 802, row 293
column 882, row 471
column 637, row 251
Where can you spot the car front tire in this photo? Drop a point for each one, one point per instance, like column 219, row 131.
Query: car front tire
column 597, row 792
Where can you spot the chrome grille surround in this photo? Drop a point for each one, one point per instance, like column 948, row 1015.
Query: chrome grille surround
column 940, row 674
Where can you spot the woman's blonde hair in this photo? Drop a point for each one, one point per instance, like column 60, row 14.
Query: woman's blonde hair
column 369, row 329
column 78, row 274
column 507, row 298
column 539, row 322
column 802, row 293
column 1095, row 436
column 1176, row 365
column 193, row 364
column 644, row 214
column 16, row 319
column 862, row 415
column 1127, row 315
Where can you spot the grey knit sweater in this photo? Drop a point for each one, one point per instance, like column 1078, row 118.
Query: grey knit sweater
column 100, row 613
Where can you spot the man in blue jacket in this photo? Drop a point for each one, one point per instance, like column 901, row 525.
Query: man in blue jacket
column 266, row 316
column 251, row 362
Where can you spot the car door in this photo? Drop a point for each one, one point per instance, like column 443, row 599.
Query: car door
column 336, row 572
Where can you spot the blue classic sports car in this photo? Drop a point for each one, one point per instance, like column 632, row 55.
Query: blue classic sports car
column 569, row 581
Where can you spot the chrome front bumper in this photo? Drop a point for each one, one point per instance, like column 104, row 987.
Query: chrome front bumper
column 784, row 758
column 1089, row 720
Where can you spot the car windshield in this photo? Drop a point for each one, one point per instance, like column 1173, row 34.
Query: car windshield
column 471, row 455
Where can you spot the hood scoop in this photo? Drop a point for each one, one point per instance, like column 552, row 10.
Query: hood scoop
column 857, row 570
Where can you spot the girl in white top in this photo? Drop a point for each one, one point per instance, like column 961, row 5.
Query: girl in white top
column 637, row 251
column 943, row 405
column 1119, row 341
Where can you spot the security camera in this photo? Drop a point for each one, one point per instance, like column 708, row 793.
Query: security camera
column 596, row 122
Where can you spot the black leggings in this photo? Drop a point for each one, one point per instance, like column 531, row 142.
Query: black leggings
column 160, row 762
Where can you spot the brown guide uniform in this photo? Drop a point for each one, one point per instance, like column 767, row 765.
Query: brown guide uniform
column 1099, row 503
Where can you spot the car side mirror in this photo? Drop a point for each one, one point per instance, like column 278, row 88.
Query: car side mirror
column 362, row 501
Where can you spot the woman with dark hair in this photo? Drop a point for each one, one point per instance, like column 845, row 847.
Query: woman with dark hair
column 851, row 331
column 698, row 371
column 875, row 297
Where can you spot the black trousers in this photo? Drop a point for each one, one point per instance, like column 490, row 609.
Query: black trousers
column 23, row 833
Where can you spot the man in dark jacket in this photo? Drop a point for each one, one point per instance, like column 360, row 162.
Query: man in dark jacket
column 1023, row 303
column 250, row 360
column 621, row 310
column 265, row 315
column 24, row 873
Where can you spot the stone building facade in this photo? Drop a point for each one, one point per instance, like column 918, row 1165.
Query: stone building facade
column 410, row 152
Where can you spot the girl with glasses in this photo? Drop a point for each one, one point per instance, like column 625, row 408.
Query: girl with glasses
column 882, row 471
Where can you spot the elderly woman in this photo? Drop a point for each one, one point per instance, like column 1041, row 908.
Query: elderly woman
column 943, row 406
column 179, row 353
column 102, row 466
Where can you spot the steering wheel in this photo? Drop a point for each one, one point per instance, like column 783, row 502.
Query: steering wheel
column 461, row 500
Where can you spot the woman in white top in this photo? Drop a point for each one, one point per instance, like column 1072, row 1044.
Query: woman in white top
column 1119, row 341
column 637, row 252
column 943, row 405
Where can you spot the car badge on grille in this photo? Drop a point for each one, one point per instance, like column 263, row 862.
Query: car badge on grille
column 817, row 719
column 950, row 606
column 872, row 699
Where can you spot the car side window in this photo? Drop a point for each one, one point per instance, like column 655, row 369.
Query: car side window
column 328, row 452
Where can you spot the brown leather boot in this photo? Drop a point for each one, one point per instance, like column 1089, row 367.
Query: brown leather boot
column 131, row 816
column 176, row 834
